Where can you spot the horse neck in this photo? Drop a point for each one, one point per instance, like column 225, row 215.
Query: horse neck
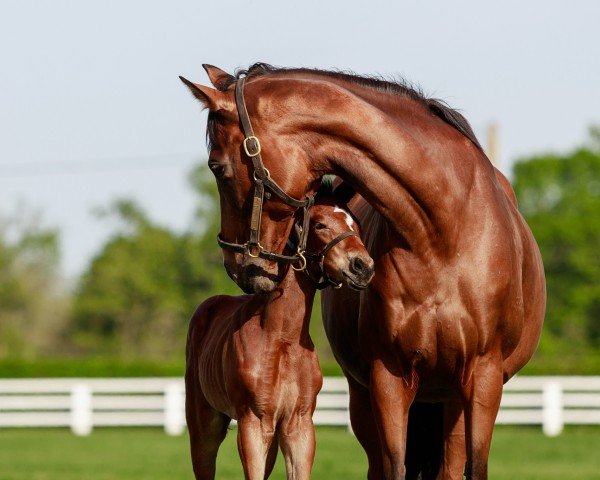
column 414, row 168
column 288, row 309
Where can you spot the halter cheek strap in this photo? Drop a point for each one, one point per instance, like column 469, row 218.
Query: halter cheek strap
column 319, row 258
column 262, row 180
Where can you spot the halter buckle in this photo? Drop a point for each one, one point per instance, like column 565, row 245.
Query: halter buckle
column 266, row 172
column 301, row 259
column 256, row 144
column 249, row 246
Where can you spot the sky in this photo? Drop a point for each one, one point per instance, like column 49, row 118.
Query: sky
column 91, row 108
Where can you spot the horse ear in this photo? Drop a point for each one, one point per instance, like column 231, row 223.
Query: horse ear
column 344, row 192
column 217, row 76
column 209, row 97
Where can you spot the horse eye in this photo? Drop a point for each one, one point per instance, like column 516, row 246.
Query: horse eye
column 320, row 226
column 218, row 169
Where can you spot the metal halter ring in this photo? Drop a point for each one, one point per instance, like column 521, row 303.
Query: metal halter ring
column 302, row 260
column 266, row 171
column 256, row 142
column 248, row 247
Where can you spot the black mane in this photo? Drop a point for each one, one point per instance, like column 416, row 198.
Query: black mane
column 326, row 188
column 399, row 87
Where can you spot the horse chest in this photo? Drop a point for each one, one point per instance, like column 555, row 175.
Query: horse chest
column 431, row 338
column 273, row 376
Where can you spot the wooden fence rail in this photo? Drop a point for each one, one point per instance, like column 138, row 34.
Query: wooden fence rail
column 84, row 403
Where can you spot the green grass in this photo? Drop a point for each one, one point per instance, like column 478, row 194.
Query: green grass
column 90, row 367
column 110, row 454
column 109, row 367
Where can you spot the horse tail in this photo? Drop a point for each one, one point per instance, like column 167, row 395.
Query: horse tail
column 424, row 446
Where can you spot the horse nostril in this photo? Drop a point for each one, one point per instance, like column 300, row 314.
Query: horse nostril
column 357, row 265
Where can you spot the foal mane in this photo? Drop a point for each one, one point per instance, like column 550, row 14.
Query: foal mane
column 397, row 87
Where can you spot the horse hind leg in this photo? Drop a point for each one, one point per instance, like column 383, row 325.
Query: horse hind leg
column 271, row 457
column 365, row 428
column 454, row 449
column 424, row 441
column 207, row 428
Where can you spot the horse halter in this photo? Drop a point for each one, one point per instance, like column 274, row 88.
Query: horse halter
column 262, row 180
column 319, row 258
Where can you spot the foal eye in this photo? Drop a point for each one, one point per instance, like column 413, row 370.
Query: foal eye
column 320, row 226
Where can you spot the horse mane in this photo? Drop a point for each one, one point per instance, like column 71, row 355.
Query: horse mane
column 397, row 86
column 326, row 188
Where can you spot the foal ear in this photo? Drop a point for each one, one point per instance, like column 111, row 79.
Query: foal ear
column 209, row 97
column 217, row 76
column 344, row 192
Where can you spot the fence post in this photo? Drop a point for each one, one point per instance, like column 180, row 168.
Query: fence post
column 552, row 409
column 348, row 419
column 81, row 409
column 174, row 409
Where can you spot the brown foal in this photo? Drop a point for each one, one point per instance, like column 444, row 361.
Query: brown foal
column 251, row 358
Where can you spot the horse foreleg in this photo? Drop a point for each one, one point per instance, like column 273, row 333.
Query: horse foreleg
column 254, row 441
column 482, row 400
column 297, row 440
column 365, row 428
column 455, row 450
column 391, row 396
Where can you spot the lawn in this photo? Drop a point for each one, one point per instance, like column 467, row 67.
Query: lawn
column 110, row 454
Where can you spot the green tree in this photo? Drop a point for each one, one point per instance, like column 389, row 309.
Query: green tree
column 204, row 258
column 32, row 303
column 559, row 196
column 138, row 294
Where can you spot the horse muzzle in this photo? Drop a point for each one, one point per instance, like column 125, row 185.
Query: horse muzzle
column 258, row 276
column 359, row 273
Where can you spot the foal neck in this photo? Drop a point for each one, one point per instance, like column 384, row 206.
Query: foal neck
column 288, row 308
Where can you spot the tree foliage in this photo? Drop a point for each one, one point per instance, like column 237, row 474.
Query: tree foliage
column 134, row 300
column 559, row 196
column 32, row 305
column 137, row 296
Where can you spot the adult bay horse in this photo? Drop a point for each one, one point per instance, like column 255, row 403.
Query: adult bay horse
column 437, row 441
column 458, row 299
column 251, row 357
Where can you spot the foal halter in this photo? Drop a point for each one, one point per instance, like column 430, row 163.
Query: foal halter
column 262, row 180
column 325, row 280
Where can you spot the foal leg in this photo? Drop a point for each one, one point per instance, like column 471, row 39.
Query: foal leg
column 455, row 450
column 392, row 398
column 255, row 438
column 365, row 428
column 297, row 439
column 207, row 429
column 482, row 400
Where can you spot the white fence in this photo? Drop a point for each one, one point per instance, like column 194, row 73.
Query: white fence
column 82, row 403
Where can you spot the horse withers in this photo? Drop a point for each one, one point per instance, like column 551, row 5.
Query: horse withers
column 251, row 357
